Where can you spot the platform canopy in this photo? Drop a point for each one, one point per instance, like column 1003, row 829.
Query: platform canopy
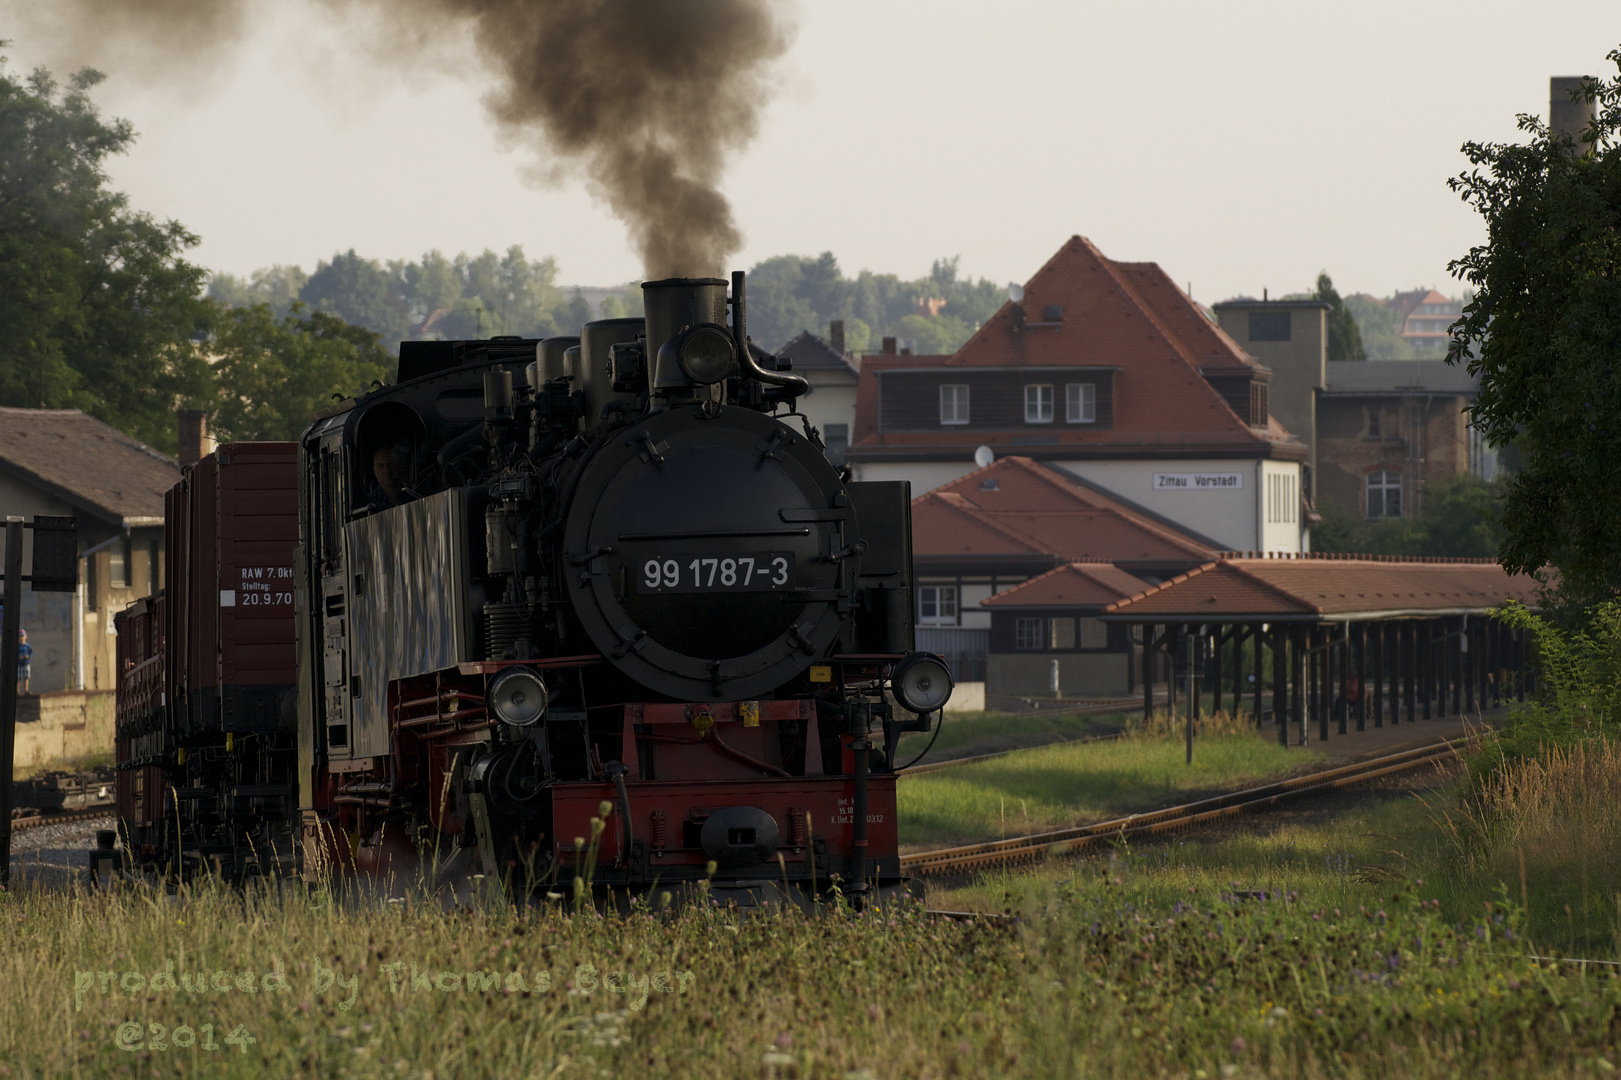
column 1326, row 588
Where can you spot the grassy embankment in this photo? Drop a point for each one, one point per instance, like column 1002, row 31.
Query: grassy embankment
column 1053, row 787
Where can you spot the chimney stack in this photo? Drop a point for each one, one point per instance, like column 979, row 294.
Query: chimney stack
column 1567, row 117
column 889, row 346
column 835, row 335
column 194, row 440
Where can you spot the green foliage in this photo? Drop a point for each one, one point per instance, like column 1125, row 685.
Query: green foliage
column 436, row 297
column 1344, row 339
column 791, row 293
column 1460, row 520
column 98, row 307
column 1379, row 325
column 1579, row 691
column 274, row 373
column 277, row 286
column 1543, row 333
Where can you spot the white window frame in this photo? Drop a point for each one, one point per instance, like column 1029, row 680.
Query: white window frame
column 942, row 599
column 953, row 403
column 1038, row 403
column 1081, row 403
column 1030, row 634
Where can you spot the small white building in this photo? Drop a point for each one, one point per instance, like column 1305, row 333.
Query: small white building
column 833, row 375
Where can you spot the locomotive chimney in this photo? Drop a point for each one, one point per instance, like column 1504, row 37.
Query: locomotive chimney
column 673, row 306
column 194, row 440
column 1567, row 117
column 835, row 335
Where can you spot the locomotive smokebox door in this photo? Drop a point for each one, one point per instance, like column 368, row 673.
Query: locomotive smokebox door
column 712, row 553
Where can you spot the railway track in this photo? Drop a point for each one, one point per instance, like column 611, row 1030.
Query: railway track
column 1042, row 846
column 36, row 820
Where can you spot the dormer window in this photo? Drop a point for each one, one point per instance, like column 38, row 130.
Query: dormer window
column 1038, row 404
column 954, row 403
column 1081, row 403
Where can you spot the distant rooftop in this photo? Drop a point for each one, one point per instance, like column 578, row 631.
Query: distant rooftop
column 1398, row 376
column 87, row 464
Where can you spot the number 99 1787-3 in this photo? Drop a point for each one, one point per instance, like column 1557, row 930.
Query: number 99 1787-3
column 757, row 572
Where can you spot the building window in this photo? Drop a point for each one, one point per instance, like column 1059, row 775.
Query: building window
column 1029, row 633
column 1384, row 494
column 1038, row 404
column 118, row 565
column 1269, row 326
column 837, row 438
column 1373, row 421
column 1061, row 633
column 954, row 403
column 1081, row 403
column 1094, row 634
column 937, row 604
column 1281, row 501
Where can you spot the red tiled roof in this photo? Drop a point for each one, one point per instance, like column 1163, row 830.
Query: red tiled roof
column 1124, row 315
column 1076, row 584
column 1328, row 587
column 1034, row 510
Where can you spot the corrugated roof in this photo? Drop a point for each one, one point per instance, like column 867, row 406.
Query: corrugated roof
column 1017, row 507
column 1125, row 315
column 1328, row 587
column 87, row 463
column 1076, row 584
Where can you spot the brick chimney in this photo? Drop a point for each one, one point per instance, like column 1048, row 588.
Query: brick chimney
column 889, row 346
column 194, row 440
column 835, row 335
column 1565, row 116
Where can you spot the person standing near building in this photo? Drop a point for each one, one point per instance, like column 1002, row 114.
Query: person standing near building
column 25, row 654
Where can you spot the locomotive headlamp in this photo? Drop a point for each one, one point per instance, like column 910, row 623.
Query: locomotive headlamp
column 706, row 354
column 921, row 682
column 518, row 697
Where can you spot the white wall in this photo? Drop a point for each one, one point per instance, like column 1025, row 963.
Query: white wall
column 830, row 403
column 1231, row 516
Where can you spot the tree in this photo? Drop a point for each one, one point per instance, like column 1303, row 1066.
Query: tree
column 1344, row 338
column 98, row 307
column 359, row 291
column 277, row 286
column 274, row 373
column 1543, row 334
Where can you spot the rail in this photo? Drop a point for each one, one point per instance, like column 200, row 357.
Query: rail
column 35, row 820
column 1042, row 846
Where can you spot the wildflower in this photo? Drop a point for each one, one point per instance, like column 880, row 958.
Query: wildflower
column 785, row 1040
column 1239, row 1044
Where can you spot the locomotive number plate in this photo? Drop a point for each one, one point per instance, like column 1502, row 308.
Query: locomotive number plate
column 763, row 571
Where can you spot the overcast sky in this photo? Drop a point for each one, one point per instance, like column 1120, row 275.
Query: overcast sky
column 1240, row 145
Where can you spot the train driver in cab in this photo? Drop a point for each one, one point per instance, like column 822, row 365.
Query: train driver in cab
column 391, row 468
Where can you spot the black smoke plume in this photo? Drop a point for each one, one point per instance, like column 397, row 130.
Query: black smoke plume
column 649, row 98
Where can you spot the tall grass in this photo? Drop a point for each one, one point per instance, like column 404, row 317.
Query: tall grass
column 1548, row 828
column 1098, row 978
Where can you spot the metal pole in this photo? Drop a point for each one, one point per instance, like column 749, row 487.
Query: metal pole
column 1258, row 641
column 8, row 684
column 1280, row 682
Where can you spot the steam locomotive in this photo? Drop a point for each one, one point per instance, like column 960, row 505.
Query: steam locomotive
column 592, row 608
